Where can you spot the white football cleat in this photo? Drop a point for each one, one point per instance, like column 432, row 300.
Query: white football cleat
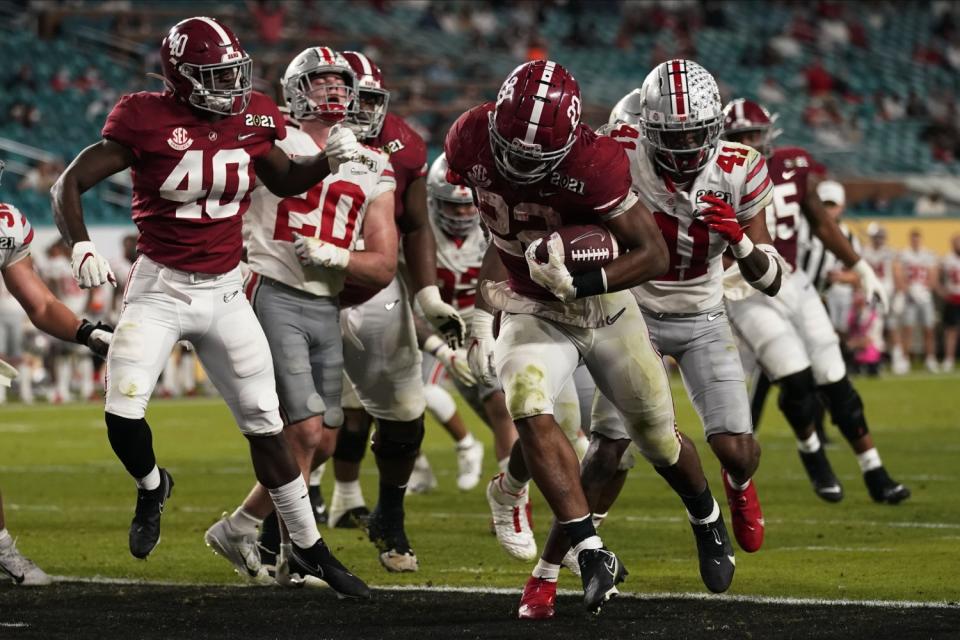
column 469, row 466
column 240, row 549
column 510, row 522
column 422, row 479
column 570, row 562
column 21, row 568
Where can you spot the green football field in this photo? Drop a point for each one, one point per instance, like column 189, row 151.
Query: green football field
column 69, row 502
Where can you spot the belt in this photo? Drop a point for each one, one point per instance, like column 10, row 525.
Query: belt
column 660, row 315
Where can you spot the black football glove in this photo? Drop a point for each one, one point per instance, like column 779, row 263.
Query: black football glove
column 96, row 337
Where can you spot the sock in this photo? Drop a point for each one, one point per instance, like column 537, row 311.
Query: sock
column 150, row 481
column 467, row 442
column 735, row 485
column 869, row 460
column 391, row 497
column 546, row 571
column 244, row 522
column 598, row 519
column 293, row 505
column 270, row 532
column 810, row 445
column 503, row 464
column 4, row 536
column 702, row 508
column 349, row 492
column 511, row 484
column 317, row 475
column 582, row 534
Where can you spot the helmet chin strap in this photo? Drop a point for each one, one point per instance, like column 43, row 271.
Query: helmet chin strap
column 166, row 83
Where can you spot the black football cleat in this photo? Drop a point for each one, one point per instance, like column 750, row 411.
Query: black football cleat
column 883, row 488
column 319, row 507
column 717, row 563
column 825, row 482
column 319, row 562
column 386, row 532
column 145, row 527
column 601, row 571
column 355, row 518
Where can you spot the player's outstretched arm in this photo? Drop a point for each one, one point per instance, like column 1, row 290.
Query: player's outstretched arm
column 49, row 314
column 287, row 177
column 644, row 253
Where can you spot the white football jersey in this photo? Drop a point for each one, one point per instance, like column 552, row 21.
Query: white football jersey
column 458, row 265
column 332, row 210
column 951, row 277
column 737, row 174
column 881, row 260
column 917, row 266
column 16, row 234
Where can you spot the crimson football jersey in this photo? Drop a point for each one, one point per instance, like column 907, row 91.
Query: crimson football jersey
column 192, row 176
column 789, row 168
column 591, row 185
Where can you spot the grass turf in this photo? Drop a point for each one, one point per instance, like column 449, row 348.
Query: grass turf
column 69, row 502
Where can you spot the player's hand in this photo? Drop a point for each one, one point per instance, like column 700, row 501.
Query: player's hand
column 341, row 146
column 314, row 252
column 553, row 274
column 721, row 218
column 442, row 316
column 453, row 360
column 90, row 269
column 97, row 337
column 480, row 348
column 873, row 289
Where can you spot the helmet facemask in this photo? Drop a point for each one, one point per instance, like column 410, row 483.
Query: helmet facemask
column 367, row 119
column 223, row 88
column 683, row 148
column 451, row 221
column 524, row 163
column 312, row 97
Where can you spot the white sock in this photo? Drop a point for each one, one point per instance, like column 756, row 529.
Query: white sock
column 349, row 493
column 593, row 542
column 546, row 571
column 738, row 487
column 293, row 505
column 4, row 536
column 243, row 521
column 511, row 484
column 869, row 460
column 317, row 475
column 467, row 442
column 710, row 518
column 598, row 519
column 810, row 445
column 503, row 464
column 150, row 481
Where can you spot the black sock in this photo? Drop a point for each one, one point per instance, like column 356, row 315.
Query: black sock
column 270, row 532
column 579, row 530
column 133, row 443
column 701, row 506
column 391, row 498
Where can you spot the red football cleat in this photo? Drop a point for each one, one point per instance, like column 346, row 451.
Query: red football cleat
column 538, row 598
column 745, row 515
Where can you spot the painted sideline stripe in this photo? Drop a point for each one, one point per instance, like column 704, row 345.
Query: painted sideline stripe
column 656, row 595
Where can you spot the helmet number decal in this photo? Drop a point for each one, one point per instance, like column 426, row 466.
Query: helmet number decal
column 506, row 90
column 573, row 111
column 178, row 44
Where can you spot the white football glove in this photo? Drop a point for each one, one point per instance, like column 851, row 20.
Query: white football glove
column 453, row 360
column 872, row 287
column 314, row 252
column 552, row 275
column 442, row 316
column 480, row 348
column 341, row 146
column 90, row 269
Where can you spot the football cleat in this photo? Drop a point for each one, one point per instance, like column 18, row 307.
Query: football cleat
column 387, row 534
column 825, row 482
column 717, row 563
column 883, row 488
column 343, row 516
column 316, row 503
column 601, row 571
column 145, row 527
column 538, row 599
column 510, row 520
column 422, row 479
column 469, row 466
column 745, row 514
column 240, row 549
column 570, row 562
column 319, row 562
column 19, row 567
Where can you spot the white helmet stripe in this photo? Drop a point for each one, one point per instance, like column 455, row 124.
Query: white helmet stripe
column 365, row 63
column 538, row 104
column 224, row 38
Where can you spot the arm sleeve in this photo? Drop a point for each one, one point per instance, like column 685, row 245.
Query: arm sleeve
column 757, row 190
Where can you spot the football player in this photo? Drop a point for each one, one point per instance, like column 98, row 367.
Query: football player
column 300, row 250
column 194, row 151
column 534, row 168
column 51, row 316
column 883, row 259
column 791, row 335
column 921, row 276
column 707, row 197
column 951, row 298
column 381, row 356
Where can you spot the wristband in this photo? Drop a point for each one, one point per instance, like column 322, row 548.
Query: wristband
column 433, row 344
column 743, row 248
column 591, row 283
column 84, row 331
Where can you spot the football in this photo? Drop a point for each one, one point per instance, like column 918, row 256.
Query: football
column 585, row 247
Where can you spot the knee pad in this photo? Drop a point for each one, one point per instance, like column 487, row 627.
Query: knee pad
column 439, row 403
column 398, row 440
column 352, row 439
column 798, row 399
column 257, row 411
column 846, row 409
column 660, row 447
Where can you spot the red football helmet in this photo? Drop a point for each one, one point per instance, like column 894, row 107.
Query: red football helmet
column 742, row 116
column 368, row 119
column 205, row 66
column 535, row 121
